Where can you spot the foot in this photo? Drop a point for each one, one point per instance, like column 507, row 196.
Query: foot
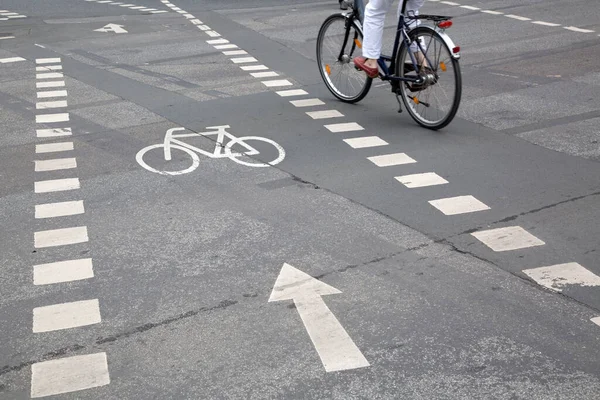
column 368, row 66
column 343, row 5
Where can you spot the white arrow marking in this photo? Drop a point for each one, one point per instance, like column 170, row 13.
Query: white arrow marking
column 112, row 28
column 333, row 344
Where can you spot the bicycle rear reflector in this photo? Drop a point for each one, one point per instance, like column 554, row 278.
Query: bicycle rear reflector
column 445, row 24
column 456, row 49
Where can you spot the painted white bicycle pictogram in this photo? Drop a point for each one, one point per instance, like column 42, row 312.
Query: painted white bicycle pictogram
column 222, row 149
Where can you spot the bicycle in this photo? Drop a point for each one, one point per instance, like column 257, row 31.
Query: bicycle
column 430, row 89
column 221, row 150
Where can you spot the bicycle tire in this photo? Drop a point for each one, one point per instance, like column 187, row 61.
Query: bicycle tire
column 259, row 164
column 411, row 105
column 139, row 157
column 345, row 64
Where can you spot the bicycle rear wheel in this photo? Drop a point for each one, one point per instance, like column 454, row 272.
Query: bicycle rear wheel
column 337, row 45
column 434, row 103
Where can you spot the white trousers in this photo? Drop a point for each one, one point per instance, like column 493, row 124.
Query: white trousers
column 374, row 22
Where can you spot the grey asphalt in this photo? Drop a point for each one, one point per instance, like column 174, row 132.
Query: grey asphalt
column 184, row 265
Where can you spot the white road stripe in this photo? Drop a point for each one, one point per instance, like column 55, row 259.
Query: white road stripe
column 421, row 180
column 344, row 127
column 50, row 118
column 53, row 147
column 241, row 60
column 213, row 33
column 492, row 12
column 217, row 41
column 459, row 205
column 158, row 12
column 54, row 165
column 11, row 60
column 388, row 160
column 253, row 67
column 42, row 105
column 62, row 209
column 580, row 30
column 196, row 22
column 66, row 316
column 544, row 23
column 506, row 239
column 8, row 37
column 56, row 185
column 60, row 237
column 63, row 271
column 69, row 374
column 136, row 7
column 42, row 85
column 203, row 27
column 596, row 320
column 56, row 132
column 518, row 17
column 277, row 83
column 471, row 7
column 367, row 141
column 557, row 277
column 51, row 93
column 47, row 60
column 226, row 46
column 450, row 3
column 307, row 102
column 268, row 74
column 49, row 68
column 324, row 114
column 189, row 16
column 294, row 92
column 235, row 52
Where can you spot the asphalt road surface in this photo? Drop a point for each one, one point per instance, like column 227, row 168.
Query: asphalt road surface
column 291, row 246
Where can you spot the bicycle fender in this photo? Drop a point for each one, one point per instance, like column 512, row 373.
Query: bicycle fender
column 448, row 42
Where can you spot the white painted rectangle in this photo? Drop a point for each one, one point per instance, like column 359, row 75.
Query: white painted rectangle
column 344, row 127
column 53, row 147
column 51, row 118
column 55, row 164
column 226, row 46
column 307, row 103
column 217, row 41
column 56, row 132
column 324, row 114
column 48, row 68
column 367, row 141
column 189, row 16
column 235, row 52
column 158, row 12
column 596, row 320
column 557, row 277
column 8, row 37
column 49, row 75
column 290, row 93
column 544, row 23
column 51, row 84
column 506, row 239
column 11, row 60
column 388, row 160
column 149, row 9
column 580, row 30
column 69, row 374
column 56, row 185
column 471, row 8
column 242, row 60
column 52, row 93
column 254, row 67
column 47, row 60
column 203, row 27
column 66, row 316
column 421, row 180
column 136, row 7
column 458, row 205
column 492, row 12
column 450, row 3
column 277, row 83
column 213, row 33
column 518, row 17
column 63, row 271
column 60, row 237
column 268, row 74
column 42, row 105
column 196, row 22
column 63, row 209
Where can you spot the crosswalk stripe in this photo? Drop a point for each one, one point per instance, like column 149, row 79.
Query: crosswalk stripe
column 388, row 160
column 66, row 315
column 459, row 205
column 307, row 103
column 421, row 180
column 42, row 85
column 51, row 118
column 53, row 147
column 63, row 271
column 53, row 132
column 47, row 60
column 42, row 105
column 60, row 237
column 344, row 127
column 556, row 277
column 367, row 141
column 324, row 114
column 56, row 185
column 507, row 239
column 62, row 209
column 293, row 92
column 277, row 83
column 51, row 93
column 55, row 164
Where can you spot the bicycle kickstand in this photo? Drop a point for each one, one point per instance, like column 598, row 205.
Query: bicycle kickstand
column 399, row 101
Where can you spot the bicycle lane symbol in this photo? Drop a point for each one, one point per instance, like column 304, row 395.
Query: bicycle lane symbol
column 224, row 143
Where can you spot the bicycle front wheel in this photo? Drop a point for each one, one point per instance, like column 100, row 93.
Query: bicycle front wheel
column 433, row 103
column 337, row 45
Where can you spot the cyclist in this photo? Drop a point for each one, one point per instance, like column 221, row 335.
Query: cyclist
column 373, row 32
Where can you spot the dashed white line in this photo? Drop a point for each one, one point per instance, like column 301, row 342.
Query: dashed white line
column 42, row 105
column 492, row 12
column 55, row 132
column 69, row 374
column 324, row 114
column 450, row 3
column 388, row 160
column 556, row 277
column 253, row 67
column 51, row 118
column 213, row 33
column 307, row 103
column 63, row 271
column 47, row 60
column 217, row 41
column 62, row 209
column 196, row 22
column 344, row 127
column 544, row 23
column 51, row 93
column 596, row 320
column 49, row 68
column 421, row 180
column 11, row 60
column 60, row 237
column 459, row 205
column 235, row 52
column 56, row 185
column 53, row 147
column 580, row 30
column 277, row 83
column 269, row 74
column 293, row 92
column 243, row 60
column 226, row 46
column 367, row 141
column 66, row 315
column 203, row 27
column 506, row 239
column 55, row 165
column 517, row 17
column 51, row 84
column 471, row 8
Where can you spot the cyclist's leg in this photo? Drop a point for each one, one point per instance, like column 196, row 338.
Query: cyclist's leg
column 412, row 8
column 374, row 22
